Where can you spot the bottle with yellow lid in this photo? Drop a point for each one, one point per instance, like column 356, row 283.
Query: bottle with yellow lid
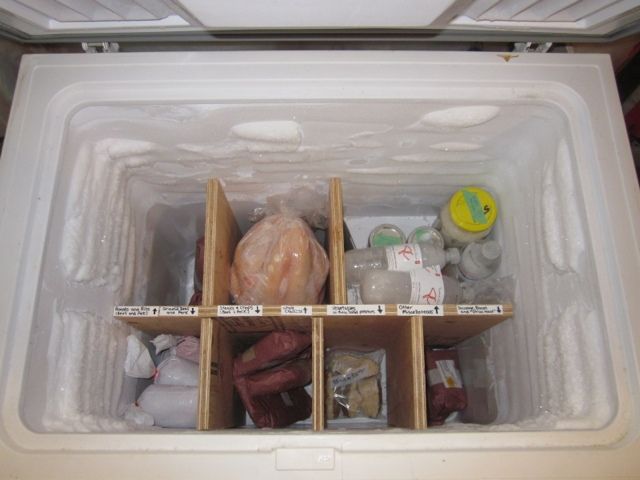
column 467, row 217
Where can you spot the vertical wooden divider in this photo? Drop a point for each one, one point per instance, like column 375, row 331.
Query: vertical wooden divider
column 337, row 295
column 317, row 359
column 337, row 277
column 419, row 374
column 215, row 400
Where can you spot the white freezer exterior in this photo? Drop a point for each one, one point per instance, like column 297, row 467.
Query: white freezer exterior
column 52, row 88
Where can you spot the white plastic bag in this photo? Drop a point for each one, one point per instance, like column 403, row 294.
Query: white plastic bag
column 138, row 363
column 171, row 406
column 177, row 371
column 163, row 342
column 189, row 349
column 136, row 415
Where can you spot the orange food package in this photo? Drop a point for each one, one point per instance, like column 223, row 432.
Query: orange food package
column 279, row 261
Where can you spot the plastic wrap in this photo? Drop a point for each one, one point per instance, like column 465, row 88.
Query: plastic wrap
column 177, row 371
column 138, row 362
column 271, row 350
column 296, row 373
column 279, row 261
column 171, row 406
column 189, row 349
column 276, row 410
column 353, row 384
column 303, row 202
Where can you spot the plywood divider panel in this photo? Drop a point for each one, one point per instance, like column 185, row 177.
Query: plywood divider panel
column 204, row 386
column 186, row 326
column 317, row 359
column 337, row 278
column 419, row 380
column 222, row 234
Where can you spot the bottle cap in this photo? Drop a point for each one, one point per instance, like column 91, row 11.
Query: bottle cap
column 491, row 250
column 473, row 209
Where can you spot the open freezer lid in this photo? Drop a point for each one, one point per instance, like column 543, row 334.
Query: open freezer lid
column 442, row 19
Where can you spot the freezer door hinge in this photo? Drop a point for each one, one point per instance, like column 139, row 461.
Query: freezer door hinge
column 528, row 47
column 100, row 47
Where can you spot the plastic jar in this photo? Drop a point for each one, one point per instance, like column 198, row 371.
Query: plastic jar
column 467, row 217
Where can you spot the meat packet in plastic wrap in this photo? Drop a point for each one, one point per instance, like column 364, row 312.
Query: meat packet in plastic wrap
column 271, row 350
column 353, row 383
column 279, row 261
column 295, row 373
column 276, row 410
column 445, row 391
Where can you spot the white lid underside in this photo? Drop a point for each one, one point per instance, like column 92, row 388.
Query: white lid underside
column 64, row 17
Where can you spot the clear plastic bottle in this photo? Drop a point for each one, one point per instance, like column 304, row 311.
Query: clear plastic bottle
column 480, row 260
column 405, row 257
column 418, row 287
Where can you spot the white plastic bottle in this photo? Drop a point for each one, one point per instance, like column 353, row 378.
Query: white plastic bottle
column 426, row 286
column 404, row 257
column 480, row 260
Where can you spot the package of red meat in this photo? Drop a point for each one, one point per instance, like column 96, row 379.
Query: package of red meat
column 275, row 410
column 445, row 391
column 271, row 350
column 296, row 373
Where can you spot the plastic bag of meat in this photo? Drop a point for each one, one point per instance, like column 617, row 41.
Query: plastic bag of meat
column 273, row 349
column 445, row 391
column 296, row 373
column 279, row 261
column 276, row 410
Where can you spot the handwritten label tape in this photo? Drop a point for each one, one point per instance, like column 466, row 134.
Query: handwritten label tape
column 135, row 311
column 239, row 310
column 408, row 310
column 296, row 310
column 355, row 310
column 179, row 311
column 480, row 309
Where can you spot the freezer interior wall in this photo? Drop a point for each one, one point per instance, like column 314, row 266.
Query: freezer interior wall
column 129, row 205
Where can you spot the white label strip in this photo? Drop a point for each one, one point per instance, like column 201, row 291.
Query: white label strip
column 239, row 310
column 407, row 310
column 304, row 310
column 179, row 311
column 480, row 309
column 355, row 310
column 135, row 311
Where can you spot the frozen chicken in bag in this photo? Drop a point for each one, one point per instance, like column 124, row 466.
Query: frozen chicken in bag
column 279, row 261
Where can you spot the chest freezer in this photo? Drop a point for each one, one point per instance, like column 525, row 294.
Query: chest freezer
column 102, row 185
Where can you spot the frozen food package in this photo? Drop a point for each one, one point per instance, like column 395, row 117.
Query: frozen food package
column 445, row 391
column 353, row 383
column 289, row 375
column 164, row 341
column 304, row 201
column 138, row 362
column 177, row 371
column 271, row 350
column 171, row 406
column 275, row 410
column 189, row 349
column 279, row 261
column 138, row 417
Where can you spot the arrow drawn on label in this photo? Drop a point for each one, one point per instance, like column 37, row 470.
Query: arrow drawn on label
column 379, row 309
column 155, row 310
column 436, row 308
column 257, row 310
column 193, row 311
